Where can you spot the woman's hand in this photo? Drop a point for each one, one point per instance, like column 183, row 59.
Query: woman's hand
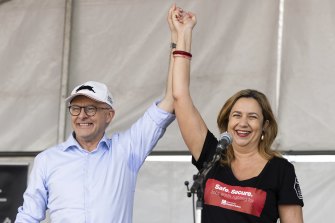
column 183, row 20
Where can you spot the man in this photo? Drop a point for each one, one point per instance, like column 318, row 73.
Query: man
column 90, row 177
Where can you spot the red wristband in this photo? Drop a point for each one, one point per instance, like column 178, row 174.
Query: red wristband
column 180, row 52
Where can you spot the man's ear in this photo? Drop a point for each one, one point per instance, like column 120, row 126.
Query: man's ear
column 110, row 115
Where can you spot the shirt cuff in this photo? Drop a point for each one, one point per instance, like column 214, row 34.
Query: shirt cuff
column 161, row 117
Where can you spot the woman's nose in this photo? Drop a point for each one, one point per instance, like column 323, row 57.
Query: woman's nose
column 243, row 121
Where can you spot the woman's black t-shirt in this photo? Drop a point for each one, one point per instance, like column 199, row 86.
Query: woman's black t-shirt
column 256, row 200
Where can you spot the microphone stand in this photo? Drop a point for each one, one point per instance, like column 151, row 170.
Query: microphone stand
column 199, row 179
column 198, row 186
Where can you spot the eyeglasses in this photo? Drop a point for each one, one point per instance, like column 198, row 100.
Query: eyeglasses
column 89, row 110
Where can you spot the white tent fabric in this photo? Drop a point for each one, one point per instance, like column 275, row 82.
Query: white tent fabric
column 30, row 62
column 125, row 44
column 283, row 48
column 306, row 116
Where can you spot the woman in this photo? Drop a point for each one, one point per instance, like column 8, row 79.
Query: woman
column 250, row 183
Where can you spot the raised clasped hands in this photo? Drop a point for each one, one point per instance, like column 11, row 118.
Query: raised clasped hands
column 180, row 20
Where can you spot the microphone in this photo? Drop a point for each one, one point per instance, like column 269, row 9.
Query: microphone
column 225, row 140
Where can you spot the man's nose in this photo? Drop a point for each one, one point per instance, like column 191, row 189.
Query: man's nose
column 82, row 112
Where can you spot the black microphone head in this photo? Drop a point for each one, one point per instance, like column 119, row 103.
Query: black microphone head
column 225, row 140
column 226, row 137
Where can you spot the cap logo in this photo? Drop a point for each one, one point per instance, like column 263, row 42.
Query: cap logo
column 85, row 87
column 110, row 100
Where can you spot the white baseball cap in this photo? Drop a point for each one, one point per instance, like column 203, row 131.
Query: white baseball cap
column 95, row 90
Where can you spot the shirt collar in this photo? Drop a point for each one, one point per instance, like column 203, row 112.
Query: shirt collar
column 71, row 142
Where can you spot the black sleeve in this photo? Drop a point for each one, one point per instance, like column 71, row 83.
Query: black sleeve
column 207, row 152
column 289, row 191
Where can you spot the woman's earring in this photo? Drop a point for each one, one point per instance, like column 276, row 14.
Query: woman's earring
column 262, row 137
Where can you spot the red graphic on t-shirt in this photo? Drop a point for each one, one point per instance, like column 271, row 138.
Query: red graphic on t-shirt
column 248, row 200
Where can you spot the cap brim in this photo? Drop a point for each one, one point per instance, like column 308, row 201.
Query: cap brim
column 71, row 97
